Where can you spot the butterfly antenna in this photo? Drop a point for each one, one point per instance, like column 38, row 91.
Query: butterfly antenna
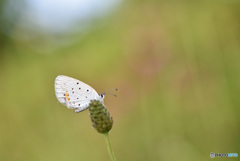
column 105, row 92
column 115, row 89
column 111, row 94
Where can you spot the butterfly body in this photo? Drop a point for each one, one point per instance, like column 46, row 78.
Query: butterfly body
column 74, row 93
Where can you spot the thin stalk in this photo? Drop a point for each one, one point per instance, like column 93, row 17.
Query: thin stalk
column 109, row 147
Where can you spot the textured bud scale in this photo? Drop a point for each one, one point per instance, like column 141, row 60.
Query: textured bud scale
column 100, row 117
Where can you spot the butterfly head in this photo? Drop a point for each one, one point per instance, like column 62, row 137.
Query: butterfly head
column 102, row 95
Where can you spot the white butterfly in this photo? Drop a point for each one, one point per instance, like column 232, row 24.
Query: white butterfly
column 75, row 94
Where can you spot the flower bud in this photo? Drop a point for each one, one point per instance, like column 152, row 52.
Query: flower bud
column 100, row 117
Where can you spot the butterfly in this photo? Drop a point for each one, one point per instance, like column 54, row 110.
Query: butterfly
column 75, row 94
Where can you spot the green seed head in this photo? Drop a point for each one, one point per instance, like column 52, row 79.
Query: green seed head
column 100, row 117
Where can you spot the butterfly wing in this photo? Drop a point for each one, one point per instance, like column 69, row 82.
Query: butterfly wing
column 74, row 93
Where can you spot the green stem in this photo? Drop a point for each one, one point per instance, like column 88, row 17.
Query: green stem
column 109, row 147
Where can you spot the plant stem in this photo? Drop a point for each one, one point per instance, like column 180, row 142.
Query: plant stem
column 109, row 147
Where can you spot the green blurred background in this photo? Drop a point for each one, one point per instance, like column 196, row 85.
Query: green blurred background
column 176, row 63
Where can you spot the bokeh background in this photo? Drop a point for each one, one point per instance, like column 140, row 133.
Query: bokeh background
column 176, row 63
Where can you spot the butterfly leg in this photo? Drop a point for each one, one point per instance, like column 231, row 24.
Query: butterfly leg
column 78, row 110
